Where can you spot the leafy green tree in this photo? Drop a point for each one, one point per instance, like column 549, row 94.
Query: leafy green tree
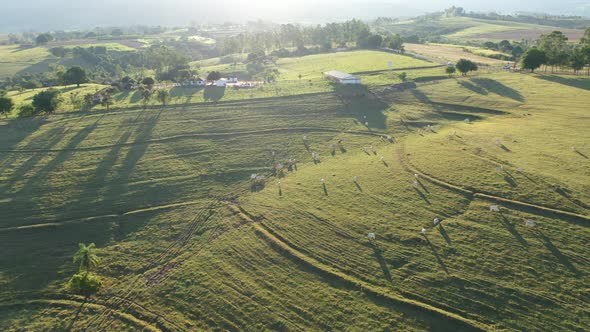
column 464, row 66
column 505, row 46
column 107, row 100
column 163, row 96
column 214, row 76
column 85, row 284
column 43, row 38
column 450, row 70
column 148, row 82
column 533, row 59
column 47, row 101
column 6, row 106
column 490, row 45
column 517, row 51
column 374, row 41
column 555, row 47
column 146, row 96
column 394, row 41
column 577, row 59
column 75, row 75
column 86, row 257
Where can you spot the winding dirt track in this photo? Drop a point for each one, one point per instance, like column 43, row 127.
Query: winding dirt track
column 528, row 207
column 289, row 250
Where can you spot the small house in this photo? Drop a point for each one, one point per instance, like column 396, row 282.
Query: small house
column 341, row 77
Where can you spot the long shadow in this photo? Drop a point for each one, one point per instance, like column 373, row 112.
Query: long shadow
column 440, row 261
column 510, row 228
column 422, row 186
column 578, row 82
column 186, row 92
column 325, row 189
column 422, row 196
column 510, row 181
column 505, row 148
column 557, row 253
column 64, row 155
column 214, row 93
column 498, row 88
column 444, row 234
column 119, row 183
column 581, row 154
column 71, row 326
column 378, row 253
column 358, row 186
column 473, row 87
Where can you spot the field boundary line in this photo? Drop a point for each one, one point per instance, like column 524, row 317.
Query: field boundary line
column 98, row 218
column 406, row 164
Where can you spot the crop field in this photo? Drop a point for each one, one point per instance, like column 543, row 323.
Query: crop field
column 450, row 53
column 14, row 59
column 188, row 244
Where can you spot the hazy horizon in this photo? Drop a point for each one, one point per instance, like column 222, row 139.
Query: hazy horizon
column 45, row 15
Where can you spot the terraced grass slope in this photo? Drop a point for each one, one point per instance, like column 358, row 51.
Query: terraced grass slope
column 187, row 246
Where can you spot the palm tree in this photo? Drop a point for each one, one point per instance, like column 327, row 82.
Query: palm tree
column 86, row 256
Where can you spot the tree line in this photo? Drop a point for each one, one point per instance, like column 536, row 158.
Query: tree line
column 553, row 51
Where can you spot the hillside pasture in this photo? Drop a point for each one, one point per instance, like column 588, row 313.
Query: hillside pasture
column 111, row 44
column 189, row 244
column 15, row 59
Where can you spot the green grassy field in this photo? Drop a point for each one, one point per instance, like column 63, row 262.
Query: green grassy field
column 14, row 59
column 186, row 245
column 312, row 66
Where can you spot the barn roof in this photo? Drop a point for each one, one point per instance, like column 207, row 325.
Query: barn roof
column 341, row 75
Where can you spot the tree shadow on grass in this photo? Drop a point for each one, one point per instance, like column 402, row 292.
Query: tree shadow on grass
column 498, row 88
column 436, row 255
column 358, row 186
column 472, row 87
column 422, row 186
column 577, row 82
column 444, row 234
column 422, row 195
column 510, row 228
column 378, row 253
column 213, row 93
column 556, row 252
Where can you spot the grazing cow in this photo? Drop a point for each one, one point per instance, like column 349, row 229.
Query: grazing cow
column 371, row 236
column 424, row 231
column 494, row 208
column 529, row 223
column 436, row 221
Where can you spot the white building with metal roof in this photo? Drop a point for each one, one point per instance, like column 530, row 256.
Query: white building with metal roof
column 341, row 77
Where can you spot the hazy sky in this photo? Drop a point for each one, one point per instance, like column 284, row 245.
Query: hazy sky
column 18, row 15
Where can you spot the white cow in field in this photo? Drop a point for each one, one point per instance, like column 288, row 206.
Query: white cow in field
column 355, row 179
column 436, row 221
column 371, row 236
column 424, row 231
column 529, row 223
column 494, row 208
